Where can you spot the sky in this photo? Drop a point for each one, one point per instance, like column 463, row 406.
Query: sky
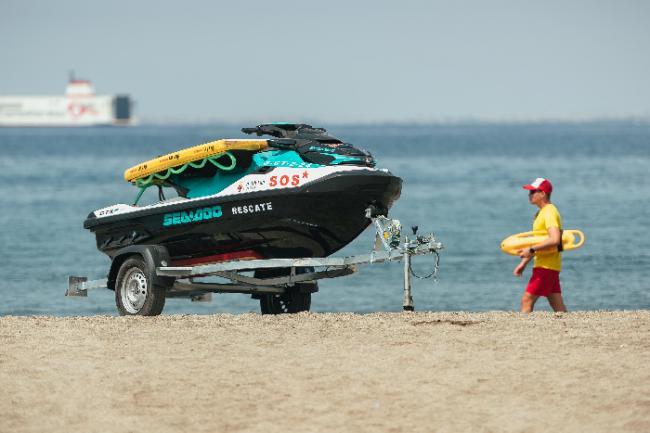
column 337, row 60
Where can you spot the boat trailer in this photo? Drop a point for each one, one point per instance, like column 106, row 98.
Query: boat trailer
column 390, row 245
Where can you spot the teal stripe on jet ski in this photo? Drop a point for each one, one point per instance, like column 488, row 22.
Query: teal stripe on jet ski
column 282, row 158
column 202, row 187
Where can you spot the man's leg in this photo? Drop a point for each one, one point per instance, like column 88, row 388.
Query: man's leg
column 528, row 302
column 556, row 302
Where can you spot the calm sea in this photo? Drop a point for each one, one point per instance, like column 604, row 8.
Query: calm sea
column 463, row 182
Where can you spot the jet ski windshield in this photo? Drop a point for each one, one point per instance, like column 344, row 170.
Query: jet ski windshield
column 289, row 130
column 313, row 145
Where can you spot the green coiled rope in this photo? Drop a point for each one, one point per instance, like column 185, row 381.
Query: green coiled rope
column 146, row 182
column 149, row 180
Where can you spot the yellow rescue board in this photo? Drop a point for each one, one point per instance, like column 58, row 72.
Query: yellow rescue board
column 190, row 154
column 571, row 239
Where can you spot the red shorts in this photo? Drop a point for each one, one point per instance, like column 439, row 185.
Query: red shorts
column 543, row 282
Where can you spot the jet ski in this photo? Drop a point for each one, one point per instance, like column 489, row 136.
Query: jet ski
column 299, row 193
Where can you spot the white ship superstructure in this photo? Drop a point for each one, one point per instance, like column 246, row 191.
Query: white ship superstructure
column 80, row 106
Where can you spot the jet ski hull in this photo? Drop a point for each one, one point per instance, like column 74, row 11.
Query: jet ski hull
column 314, row 220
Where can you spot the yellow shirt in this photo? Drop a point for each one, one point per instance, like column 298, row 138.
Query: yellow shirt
column 547, row 217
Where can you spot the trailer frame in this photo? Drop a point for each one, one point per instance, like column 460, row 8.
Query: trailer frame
column 387, row 235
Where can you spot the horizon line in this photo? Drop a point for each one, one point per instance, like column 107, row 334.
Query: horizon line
column 639, row 120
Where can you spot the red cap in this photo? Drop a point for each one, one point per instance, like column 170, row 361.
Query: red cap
column 540, row 184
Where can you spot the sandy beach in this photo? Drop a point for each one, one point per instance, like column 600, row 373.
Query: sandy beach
column 392, row 372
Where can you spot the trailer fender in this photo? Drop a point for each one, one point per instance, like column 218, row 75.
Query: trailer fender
column 153, row 256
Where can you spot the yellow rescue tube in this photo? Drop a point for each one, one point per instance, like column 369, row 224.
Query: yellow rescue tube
column 191, row 154
column 571, row 239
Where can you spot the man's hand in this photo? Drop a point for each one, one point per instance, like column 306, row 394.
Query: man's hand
column 525, row 253
column 519, row 270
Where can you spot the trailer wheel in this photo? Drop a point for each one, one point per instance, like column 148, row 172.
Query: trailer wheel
column 134, row 293
column 294, row 300
column 290, row 302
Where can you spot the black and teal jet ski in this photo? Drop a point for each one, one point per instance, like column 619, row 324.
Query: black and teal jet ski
column 298, row 193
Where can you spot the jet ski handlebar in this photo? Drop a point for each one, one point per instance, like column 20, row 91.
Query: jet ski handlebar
column 285, row 130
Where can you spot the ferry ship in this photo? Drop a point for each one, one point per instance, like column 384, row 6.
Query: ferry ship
column 80, row 106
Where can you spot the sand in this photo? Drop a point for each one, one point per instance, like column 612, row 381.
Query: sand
column 386, row 372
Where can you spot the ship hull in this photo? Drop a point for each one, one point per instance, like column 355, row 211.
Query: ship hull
column 61, row 111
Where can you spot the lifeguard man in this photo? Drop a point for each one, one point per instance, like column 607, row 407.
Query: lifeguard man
column 545, row 280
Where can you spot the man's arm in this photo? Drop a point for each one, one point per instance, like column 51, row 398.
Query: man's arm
column 519, row 270
column 553, row 241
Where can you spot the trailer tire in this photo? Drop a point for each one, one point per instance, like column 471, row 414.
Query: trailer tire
column 290, row 302
column 135, row 295
column 294, row 300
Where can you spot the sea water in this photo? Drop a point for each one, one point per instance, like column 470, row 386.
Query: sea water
column 463, row 182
